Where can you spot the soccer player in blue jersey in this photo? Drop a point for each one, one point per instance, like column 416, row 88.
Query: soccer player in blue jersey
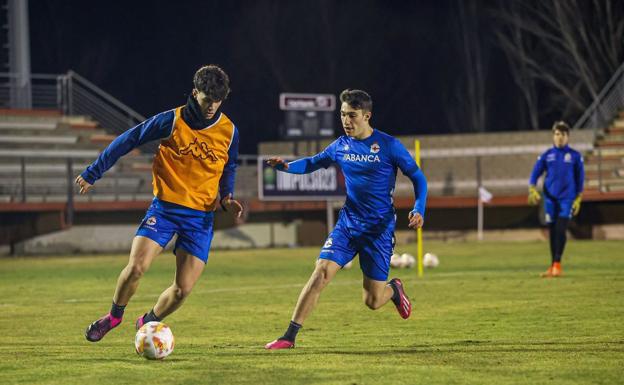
column 369, row 160
column 195, row 164
column 563, row 190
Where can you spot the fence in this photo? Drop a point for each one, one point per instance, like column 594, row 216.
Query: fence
column 607, row 104
column 72, row 94
column 46, row 90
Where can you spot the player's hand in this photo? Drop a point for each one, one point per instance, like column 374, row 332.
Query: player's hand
column 576, row 205
column 232, row 206
column 416, row 220
column 534, row 196
column 278, row 163
column 84, row 185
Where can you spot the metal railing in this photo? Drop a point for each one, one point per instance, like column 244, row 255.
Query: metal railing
column 50, row 178
column 45, row 90
column 72, row 94
column 81, row 97
column 607, row 104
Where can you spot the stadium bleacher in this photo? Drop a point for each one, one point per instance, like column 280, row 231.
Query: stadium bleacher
column 42, row 152
column 38, row 148
column 450, row 162
column 604, row 166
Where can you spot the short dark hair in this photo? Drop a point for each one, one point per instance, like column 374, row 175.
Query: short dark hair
column 213, row 81
column 357, row 99
column 562, row 126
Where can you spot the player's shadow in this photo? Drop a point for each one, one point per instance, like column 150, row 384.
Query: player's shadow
column 486, row 346
column 139, row 361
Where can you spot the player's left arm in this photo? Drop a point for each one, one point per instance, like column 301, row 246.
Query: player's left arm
column 579, row 180
column 305, row 165
column 226, row 183
column 409, row 168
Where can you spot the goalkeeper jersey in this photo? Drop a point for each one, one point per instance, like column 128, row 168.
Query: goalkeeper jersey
column 565, row 173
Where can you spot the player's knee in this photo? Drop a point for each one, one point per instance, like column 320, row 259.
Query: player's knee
column 320, row 277
column 372, row 302
column 135, row 272
column 317, row 281
column 180, row 292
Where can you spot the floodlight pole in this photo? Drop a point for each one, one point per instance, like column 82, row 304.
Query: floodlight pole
column 19, row 54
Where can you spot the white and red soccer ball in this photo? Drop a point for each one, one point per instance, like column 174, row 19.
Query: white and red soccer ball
column 154, row 341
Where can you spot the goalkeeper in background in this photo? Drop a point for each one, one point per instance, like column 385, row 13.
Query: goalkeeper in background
column 563, row 188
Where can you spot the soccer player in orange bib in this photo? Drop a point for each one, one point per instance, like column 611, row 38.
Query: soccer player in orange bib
column 194, row 166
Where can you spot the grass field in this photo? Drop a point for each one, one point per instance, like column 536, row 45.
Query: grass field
column 482, row 317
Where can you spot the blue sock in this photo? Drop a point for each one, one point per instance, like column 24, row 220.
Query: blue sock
column 291, row 333
column 149, row 317
column 117, row 311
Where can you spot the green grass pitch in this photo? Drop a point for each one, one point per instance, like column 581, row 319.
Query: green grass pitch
column 482, row 317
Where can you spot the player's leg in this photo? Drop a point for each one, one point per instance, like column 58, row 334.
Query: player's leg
column 375, row 253
column 142, row 253
column 188, row 270
column 561, row 226
column 552, row 240
column 376, row 293
column 324, row 272
column 335, row 254
column 191, row 250
column 550, row 213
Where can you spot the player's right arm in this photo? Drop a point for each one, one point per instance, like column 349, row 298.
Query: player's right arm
column 409, row 168
column 538, row 169
column 156, row 127
column 305, row 165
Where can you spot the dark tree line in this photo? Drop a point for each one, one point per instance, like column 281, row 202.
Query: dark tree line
column 431, row 66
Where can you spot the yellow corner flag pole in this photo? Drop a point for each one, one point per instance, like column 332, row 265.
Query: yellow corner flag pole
column 419, row 230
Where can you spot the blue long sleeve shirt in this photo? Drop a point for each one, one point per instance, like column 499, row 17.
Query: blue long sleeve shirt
column 157, row 127
column 564, row 170
column 370, row 168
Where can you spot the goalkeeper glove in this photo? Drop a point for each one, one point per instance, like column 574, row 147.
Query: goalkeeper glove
column 576, row 205
column 534, row 196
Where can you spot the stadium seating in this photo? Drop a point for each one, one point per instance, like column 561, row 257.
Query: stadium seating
column 37, row 147
column 450, row 162
column 604, row 165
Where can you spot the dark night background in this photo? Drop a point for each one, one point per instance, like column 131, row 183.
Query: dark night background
column 406, row 54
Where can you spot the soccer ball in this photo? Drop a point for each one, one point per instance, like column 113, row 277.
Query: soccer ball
column 408, row 261
column 396, row 261
column 430, row 260
column 154, row 341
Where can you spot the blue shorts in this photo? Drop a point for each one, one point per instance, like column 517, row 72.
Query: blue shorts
column 374, row 248
column 194, row 227
column 554, row 209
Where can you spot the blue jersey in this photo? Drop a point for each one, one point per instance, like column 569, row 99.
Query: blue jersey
column 565, row 173
column 370, row 168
